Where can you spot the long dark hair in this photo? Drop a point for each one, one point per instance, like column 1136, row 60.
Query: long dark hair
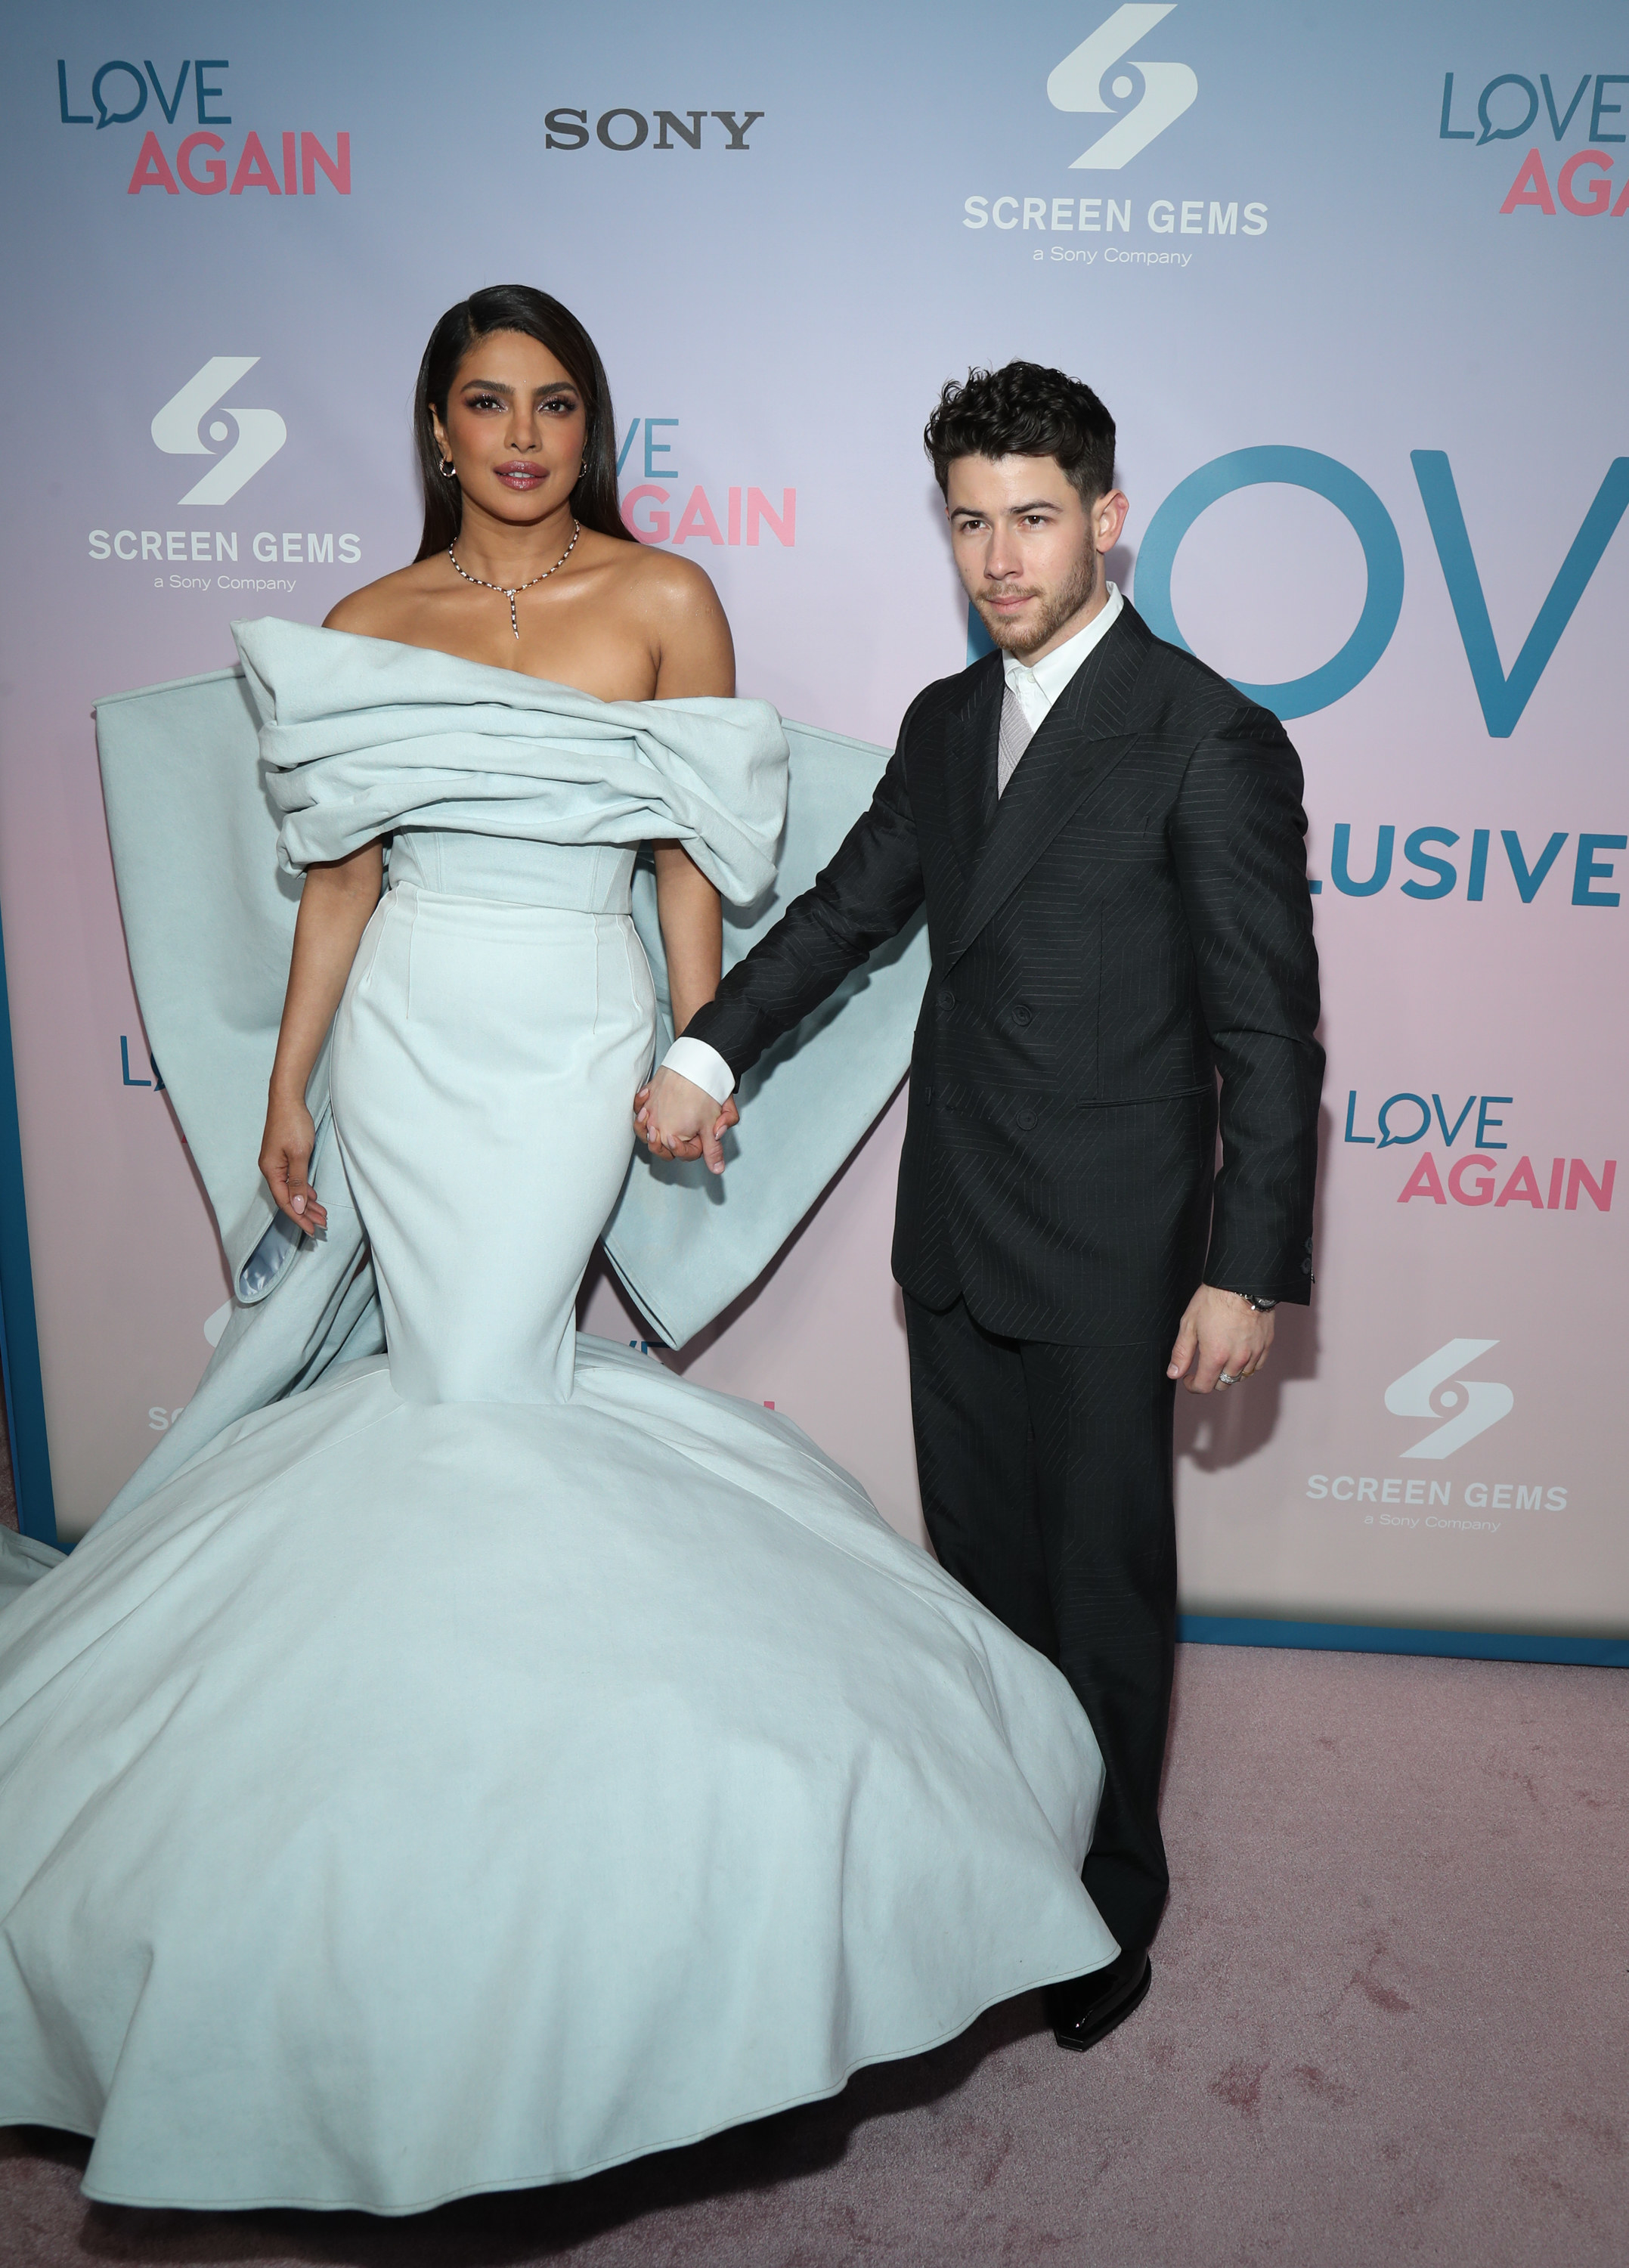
column 514, row 307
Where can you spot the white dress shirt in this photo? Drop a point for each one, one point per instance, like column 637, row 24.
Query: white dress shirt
column 1035, row 687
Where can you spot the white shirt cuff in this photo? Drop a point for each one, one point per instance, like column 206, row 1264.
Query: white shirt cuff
column 703, row 1067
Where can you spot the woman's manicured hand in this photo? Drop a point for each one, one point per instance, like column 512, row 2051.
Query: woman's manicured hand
column 286, row 1159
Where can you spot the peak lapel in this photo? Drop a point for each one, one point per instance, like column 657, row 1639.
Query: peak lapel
column 1076, row 747
column 969, row 763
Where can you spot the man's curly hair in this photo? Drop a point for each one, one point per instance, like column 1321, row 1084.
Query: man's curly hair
column 1024, row 410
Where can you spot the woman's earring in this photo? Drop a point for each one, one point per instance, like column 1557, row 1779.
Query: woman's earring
column 582, row 468
column 449, row 470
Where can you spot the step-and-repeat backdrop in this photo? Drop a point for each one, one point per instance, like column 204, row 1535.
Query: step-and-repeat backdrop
column 1352, row 281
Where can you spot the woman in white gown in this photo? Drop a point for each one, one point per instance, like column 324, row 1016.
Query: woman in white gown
column 504, row 1758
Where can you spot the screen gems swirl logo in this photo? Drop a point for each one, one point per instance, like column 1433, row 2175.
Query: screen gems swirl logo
column 1142, row 98
column 1466, row 1407
column 256, row 435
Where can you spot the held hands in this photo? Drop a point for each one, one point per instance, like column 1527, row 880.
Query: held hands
column 675, row 1118
column 1222, row 1340
column 285, row 1159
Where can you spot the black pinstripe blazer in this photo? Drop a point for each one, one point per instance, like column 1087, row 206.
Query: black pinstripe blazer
column 1129, row 920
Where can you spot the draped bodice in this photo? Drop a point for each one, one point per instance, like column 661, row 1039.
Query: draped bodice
column 474, row 770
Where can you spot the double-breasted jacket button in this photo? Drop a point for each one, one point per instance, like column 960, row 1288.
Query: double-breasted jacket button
column 1022, row 1012
column 947, row 1001
column 1027, row 1117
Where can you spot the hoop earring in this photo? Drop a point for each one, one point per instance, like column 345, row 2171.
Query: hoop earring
column 449, row 470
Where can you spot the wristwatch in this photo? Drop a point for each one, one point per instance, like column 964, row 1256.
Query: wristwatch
column 1262, row 1307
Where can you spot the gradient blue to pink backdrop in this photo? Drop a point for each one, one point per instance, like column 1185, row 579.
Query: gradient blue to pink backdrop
column 1351, row 282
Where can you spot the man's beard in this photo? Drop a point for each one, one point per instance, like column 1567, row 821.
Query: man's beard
column 1020, row 639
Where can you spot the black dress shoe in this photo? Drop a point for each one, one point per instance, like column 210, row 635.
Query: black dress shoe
column 1086, row 2009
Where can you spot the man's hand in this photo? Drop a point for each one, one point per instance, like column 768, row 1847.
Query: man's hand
column 675, row 1118
column 1222, row 1340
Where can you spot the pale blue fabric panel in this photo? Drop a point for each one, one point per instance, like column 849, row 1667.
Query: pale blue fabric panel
column 208, row 918
column 22, row 1560
column 325, row 1313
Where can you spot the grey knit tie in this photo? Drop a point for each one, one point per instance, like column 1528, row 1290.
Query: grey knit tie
column 1017, row 731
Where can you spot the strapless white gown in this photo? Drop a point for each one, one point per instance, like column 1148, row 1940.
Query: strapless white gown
column 502, row 1758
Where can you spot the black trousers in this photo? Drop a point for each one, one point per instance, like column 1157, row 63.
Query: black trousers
column 1046, row 1484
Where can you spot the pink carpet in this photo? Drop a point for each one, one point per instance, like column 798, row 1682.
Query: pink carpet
column 1389, row 2023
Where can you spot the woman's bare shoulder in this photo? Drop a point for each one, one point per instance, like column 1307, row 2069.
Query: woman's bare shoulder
column 674, row 597
column 669, row 604
column 663, row 581
column 686, row 626
column 382, row 610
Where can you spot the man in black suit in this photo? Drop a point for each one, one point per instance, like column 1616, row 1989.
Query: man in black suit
column 1109, row 840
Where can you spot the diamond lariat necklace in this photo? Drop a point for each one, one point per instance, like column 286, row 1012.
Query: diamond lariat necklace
column 513, row 592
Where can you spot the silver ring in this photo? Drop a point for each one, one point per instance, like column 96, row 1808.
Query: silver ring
column 1223, row 1380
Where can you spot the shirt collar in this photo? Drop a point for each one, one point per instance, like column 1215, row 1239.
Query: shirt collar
column 1054, row 670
